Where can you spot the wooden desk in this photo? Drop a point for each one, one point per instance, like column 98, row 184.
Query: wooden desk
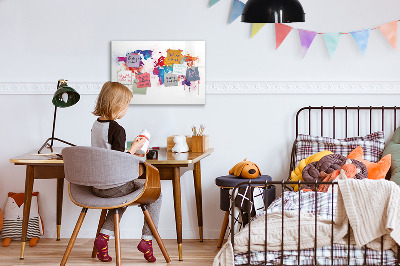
column 40, row 167
column 171, row 167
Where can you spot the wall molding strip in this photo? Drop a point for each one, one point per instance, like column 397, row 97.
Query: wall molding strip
column 231, row 87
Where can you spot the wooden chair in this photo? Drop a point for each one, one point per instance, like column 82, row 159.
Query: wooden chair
column 85, row 167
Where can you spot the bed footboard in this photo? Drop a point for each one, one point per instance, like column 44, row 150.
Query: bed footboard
column 312, row 259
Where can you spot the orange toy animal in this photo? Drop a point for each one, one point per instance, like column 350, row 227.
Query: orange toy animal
column 245, row 169
column 13, row 214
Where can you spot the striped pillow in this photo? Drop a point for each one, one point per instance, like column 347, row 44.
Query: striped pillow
column 372, row 145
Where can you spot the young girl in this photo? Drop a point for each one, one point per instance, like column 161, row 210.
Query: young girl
column 112, row 104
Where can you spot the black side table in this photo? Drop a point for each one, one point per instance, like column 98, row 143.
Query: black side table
column 226, row 183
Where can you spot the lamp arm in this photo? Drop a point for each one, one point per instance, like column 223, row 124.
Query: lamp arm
column 54, row 119
column 54, row 126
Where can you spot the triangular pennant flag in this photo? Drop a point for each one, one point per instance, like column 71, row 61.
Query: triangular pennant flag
column 281, row 31
column 332, row 41
column 306, row 39
column 256, row 27
column 390, row 32
column 213, row 2
column 237, row 9
column 361, row 37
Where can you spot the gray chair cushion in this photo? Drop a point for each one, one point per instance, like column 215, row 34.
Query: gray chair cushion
column 84, row 196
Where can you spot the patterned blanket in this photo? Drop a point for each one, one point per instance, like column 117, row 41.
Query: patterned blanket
column 308, row 203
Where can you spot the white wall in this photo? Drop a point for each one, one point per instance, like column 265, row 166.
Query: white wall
column 47, row 40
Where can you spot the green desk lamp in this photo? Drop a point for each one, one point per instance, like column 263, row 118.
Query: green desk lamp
column 65, row 96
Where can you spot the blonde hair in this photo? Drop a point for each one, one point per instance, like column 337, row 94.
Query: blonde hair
column 112, row 99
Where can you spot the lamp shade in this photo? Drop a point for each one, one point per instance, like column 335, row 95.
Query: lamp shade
column 273, row 11
column 65, row 96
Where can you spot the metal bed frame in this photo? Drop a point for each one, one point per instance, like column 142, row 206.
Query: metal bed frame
column 283, row 184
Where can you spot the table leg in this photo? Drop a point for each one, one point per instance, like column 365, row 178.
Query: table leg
column 60, row 190
column 27, row 206
column 176, row 183
column 199, row 204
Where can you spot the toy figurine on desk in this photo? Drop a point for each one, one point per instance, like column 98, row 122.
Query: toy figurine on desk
column 180, row 144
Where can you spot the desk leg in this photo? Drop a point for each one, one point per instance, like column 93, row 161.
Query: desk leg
column 199, row 204
column 27, row 206
column 60, row 190
column 176, row 182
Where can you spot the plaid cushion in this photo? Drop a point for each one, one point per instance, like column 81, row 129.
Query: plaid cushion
column 305, row 201
column 372, row 145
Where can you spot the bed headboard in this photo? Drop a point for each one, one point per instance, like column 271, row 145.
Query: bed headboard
column 377, row 116
column 344, row 121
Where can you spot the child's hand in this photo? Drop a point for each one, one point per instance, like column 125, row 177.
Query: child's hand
column 143, row 155
column 137, row 144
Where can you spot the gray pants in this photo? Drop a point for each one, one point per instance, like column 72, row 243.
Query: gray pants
column 154, row 208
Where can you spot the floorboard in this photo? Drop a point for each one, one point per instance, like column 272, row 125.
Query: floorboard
column 50, row 252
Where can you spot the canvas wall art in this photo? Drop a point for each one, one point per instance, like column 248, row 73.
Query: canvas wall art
column 160, row 72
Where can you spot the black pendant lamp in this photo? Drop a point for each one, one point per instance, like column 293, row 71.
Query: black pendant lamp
column 273, row 11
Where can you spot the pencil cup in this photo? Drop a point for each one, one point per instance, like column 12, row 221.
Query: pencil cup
column 200, row 143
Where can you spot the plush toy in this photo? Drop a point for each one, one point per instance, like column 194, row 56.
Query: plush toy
column 13, row 215
column 296, row 174
column 328, row 164
column 245, row 169
column 348, row 170
column 180, row 144
column 375, row 170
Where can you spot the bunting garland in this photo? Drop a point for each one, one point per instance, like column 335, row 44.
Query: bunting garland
column 281, row 31
column 361, row 37
column 389, row 30
column 256, row 27
column 306, row 39
column 332, row 41
column 213, row 2
column 237, row 8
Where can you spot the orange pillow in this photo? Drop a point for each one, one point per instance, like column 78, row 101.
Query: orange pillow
column 375, row 170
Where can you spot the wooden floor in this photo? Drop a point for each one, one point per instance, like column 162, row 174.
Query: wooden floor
column 50, row 252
